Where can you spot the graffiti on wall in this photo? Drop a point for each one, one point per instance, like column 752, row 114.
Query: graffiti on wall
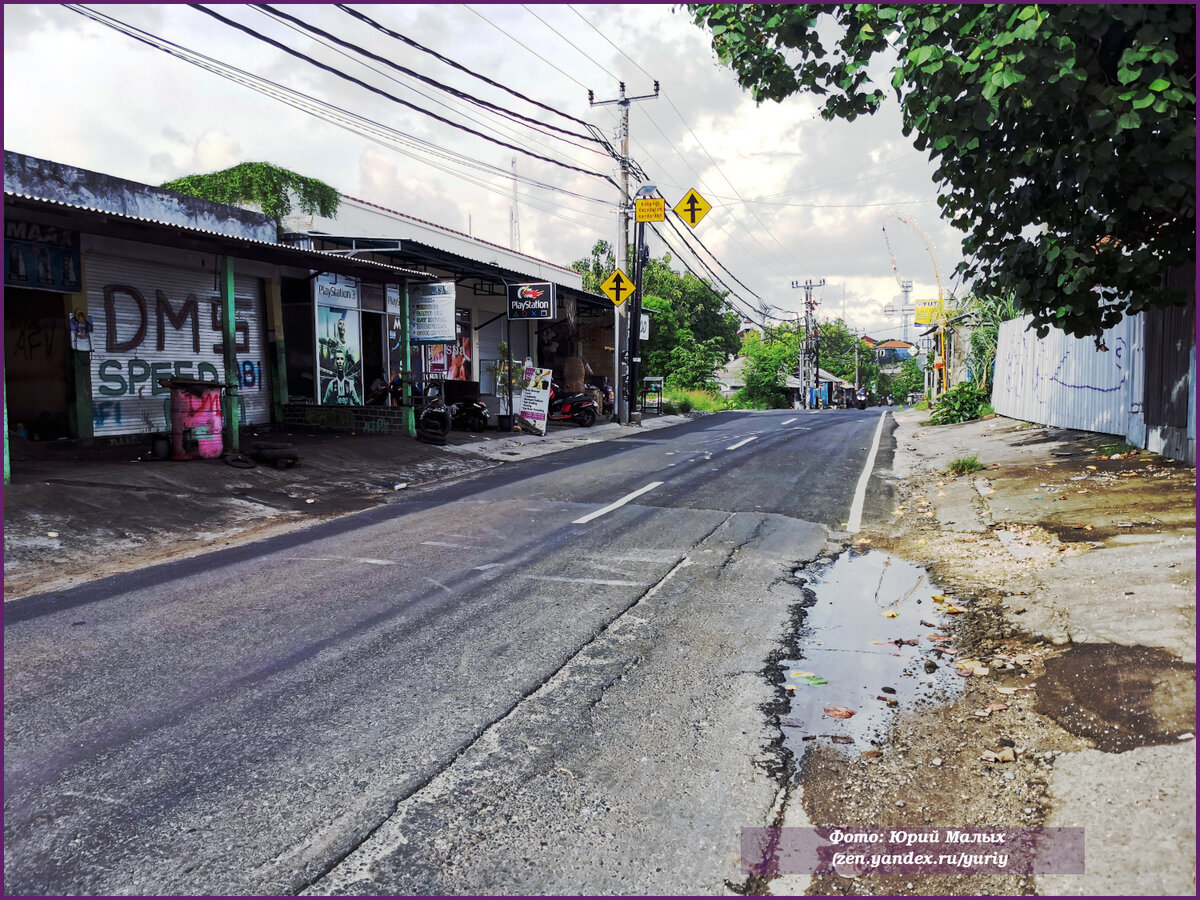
column 154, row 322
column 1065, row 381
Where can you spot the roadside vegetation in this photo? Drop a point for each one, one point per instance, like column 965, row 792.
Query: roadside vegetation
column 964, row 465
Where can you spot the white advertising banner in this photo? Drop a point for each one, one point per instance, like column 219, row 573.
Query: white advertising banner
column 535, row 400
column 336, row 290
column 431, row 313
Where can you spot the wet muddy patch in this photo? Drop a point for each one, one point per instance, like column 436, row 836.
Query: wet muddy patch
column 1119, row 697
column 874, row 641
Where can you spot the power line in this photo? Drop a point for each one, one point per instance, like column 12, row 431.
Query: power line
column 331, row 113
column 614, row 46
column 454, row 92
column 450, row 62
column 430, row 98
column 582, row 53
column 530, row 49
column 320, row 65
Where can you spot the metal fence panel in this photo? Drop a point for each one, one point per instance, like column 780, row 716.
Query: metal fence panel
column 1065, row 381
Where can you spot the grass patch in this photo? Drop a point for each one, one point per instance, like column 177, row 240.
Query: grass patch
column 686, row 401
column 964, row 465
column 921, row 404
column 1119, row 447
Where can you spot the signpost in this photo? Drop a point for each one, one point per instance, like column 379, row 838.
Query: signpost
column 617, row 287
column 692, row 208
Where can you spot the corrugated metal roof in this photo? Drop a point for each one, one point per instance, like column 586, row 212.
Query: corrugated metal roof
column 299, row 254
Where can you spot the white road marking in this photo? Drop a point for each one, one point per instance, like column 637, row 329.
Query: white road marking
column 572, row 580
column 752, row 437
column 860, row 493
column 600, row 512
column 358, row 559
column 488, row 566
column 443, row 544
column 788, row 421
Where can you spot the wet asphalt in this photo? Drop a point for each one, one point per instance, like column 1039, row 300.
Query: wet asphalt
column 462, row 691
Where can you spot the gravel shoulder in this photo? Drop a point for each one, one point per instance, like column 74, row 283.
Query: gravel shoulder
column 1076, row 574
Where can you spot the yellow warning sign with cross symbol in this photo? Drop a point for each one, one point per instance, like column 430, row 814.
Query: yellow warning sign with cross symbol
column 618, row 287
column 692, row 208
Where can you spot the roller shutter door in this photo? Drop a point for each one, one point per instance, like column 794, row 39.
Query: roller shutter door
column 155, row 321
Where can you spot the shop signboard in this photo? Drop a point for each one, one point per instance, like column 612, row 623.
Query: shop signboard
column 41, row 257
column 531, row 301
column 431, row 313
column 336, row 290
column 535, row 399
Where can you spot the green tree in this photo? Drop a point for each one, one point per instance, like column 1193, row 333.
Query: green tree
column 768, row 361
column 693, row 364
column 838, row 346
column 1065, row 135
column 987, row 313
column 268, row 186
column 597, row 268
column 910, row 380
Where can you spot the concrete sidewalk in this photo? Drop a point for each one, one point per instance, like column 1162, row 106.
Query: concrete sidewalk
column 73, row 514
column 1080, row 553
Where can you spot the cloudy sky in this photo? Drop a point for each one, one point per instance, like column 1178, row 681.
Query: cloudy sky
column 793, row 197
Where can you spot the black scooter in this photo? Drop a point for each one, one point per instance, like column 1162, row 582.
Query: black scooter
column 578, row 408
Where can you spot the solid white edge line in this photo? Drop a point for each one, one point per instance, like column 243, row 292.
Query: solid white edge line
column 742, row 443
column 860, row 493
column 618, row 504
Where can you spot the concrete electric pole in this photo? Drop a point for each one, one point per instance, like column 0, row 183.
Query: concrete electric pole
column 621, row 317
column 812, row 340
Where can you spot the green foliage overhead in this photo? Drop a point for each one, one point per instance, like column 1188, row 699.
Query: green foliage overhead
column 268, row 186
column 1065, row 135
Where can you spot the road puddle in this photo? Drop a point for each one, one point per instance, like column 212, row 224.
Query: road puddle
column 872, row 642
column 1119, row 697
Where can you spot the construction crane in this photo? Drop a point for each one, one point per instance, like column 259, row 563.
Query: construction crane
column 907, row 220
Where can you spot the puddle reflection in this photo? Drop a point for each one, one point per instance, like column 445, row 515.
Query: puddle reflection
column 865, row 639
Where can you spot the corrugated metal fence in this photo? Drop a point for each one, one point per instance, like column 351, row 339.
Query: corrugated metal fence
column 1067, row 382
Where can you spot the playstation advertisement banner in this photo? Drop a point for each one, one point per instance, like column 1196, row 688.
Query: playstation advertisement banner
column 531, row 301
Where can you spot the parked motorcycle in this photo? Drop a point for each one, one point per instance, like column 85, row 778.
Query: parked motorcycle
column 578, row 408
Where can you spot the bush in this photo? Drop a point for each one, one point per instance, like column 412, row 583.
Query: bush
column 704, row 401
column 669, row 408
column 964, row 465
column 961, row 403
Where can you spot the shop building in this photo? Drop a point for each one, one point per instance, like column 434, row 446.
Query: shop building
column 111, row 286
column 459, row 319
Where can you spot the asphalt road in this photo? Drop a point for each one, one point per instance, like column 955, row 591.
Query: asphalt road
column 477, row 688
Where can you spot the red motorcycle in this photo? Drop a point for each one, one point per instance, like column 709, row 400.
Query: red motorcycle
column 578, row 408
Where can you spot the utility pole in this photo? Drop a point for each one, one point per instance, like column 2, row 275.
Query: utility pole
column 514, row 222
column 812, row 337
column 621, row 317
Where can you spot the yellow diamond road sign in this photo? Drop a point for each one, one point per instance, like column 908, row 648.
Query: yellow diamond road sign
column 618, row 287
column 651, row 210
column 692, row 208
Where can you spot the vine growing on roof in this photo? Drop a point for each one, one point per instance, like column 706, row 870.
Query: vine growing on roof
column 271, row 187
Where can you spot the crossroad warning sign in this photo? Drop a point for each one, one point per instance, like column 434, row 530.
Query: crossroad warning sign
column 653, row 209
column 618, row 287
column 692, row 208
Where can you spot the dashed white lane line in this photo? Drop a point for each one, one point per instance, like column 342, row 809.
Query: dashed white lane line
column 573, row 580
column 788, row 421
column 357, row 559
column 753, row 437
column 617, row 505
